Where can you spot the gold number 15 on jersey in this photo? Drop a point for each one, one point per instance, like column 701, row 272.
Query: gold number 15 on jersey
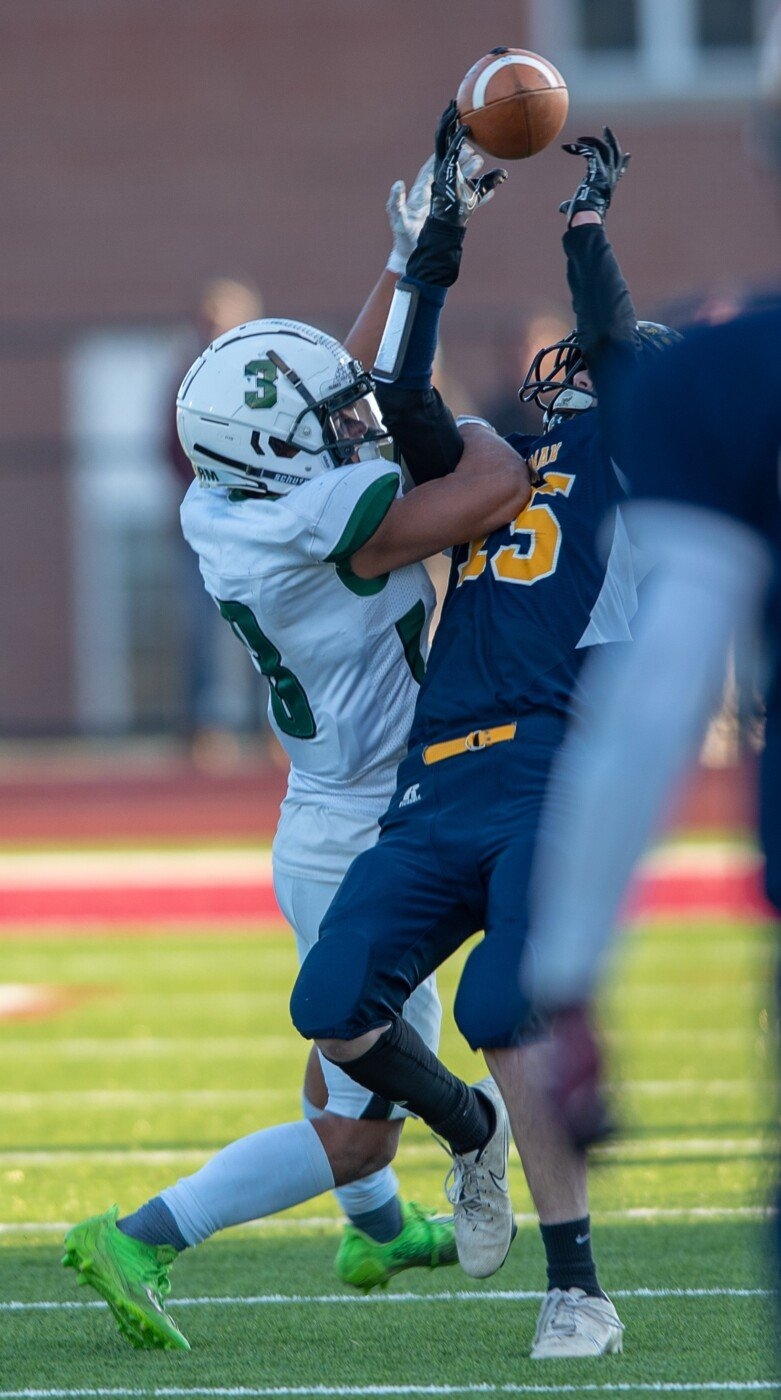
column 542, row 531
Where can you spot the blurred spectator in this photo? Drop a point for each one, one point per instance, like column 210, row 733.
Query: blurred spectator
column 515, row 353
column 458, row 399
column 222, row 694
column 715, row 307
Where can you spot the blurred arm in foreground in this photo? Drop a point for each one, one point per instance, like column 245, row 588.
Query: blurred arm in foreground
column 706, row 509
column 699, row 433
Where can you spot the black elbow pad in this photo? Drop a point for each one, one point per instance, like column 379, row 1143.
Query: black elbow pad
column 423, row 429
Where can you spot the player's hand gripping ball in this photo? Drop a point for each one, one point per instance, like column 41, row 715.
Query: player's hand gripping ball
column 514, row 103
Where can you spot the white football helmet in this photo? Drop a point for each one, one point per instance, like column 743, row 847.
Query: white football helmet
column 273, row 404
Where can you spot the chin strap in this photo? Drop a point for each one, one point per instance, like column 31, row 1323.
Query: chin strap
column 573, row 401
column 567, row 402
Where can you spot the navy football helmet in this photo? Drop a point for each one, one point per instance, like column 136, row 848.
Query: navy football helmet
column 549, row 381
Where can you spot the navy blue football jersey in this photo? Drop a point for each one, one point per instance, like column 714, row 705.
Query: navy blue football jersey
column 524, row 604
column 704, row 429
column 704, row 422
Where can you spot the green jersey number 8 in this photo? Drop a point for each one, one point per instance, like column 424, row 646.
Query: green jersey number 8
column 289, row 704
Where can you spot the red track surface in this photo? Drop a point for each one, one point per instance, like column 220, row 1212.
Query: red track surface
column 167, row 800
column 119, row 905
column 148, row 797
column 171, row 801
column 728, row 894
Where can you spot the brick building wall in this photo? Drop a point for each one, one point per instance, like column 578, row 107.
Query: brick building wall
column 150, row 144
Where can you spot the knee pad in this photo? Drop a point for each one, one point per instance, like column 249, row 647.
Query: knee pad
column 490, row 1009
column 326, row 1000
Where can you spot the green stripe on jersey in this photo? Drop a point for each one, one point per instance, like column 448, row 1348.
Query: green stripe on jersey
column 410, row 628
column 363, row 587
column 366, row 516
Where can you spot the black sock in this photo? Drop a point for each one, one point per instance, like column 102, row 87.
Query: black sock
column 400, row 1067
column 568, row 1252
column 154, row 1224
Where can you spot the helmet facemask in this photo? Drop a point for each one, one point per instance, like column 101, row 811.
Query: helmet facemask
column 550, row 381
column 349, row 419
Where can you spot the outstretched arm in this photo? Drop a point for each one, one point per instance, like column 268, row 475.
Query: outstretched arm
column 604, row 312
column 407, row 211
column 650, row 704
column 406, row 215
column 605, row 315
column 484, row 483
column 422, row 425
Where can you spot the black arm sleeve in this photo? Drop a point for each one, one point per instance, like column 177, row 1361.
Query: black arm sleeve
column 423, row 429
column 606, row 322
column 604, row 311
column 436, row 257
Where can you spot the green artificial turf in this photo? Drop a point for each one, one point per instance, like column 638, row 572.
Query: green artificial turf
column 173, row 1046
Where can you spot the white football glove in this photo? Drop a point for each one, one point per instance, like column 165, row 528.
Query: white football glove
column 407, row 212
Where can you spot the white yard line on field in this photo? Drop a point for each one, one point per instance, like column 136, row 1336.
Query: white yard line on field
column 12, row 1102
column 356, row 1391
column 655, row 1087
column 413, row 1152
column 514, row 1295
column 334, row 1223
column 110, row 1098
column 128, row 1047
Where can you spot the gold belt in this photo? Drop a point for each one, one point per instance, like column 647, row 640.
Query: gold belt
column 469, row 743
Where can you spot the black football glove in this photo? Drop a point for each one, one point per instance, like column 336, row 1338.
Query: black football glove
column 606, row 164
column 454, row 195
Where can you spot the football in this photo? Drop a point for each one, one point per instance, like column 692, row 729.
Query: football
column 514, row 103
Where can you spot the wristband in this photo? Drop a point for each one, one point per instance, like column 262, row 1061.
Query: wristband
column 395, row 337
column 409, row 341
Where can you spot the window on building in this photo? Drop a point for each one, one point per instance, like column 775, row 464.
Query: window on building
column 652, row 49
column 606, row 26
column 725, row 24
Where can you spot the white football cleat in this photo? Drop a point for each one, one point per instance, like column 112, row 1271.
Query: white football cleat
column 572, row 1323
column 477, row 1189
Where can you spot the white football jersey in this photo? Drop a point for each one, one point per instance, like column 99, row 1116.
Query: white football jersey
column 343, row 656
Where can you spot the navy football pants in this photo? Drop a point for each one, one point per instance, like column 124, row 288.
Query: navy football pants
column 454, row 856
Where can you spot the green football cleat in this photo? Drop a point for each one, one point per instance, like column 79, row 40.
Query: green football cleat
column 426, row 1241
column 130, row 1275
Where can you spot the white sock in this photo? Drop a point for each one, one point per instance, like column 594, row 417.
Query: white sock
column 371, row 1192
column 256, row 1176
